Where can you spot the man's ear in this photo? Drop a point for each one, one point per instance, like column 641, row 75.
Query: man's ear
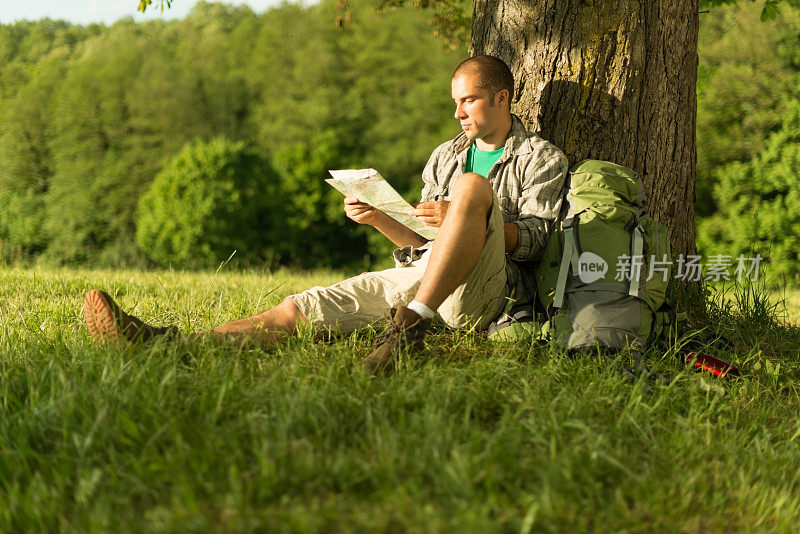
column 502, row 96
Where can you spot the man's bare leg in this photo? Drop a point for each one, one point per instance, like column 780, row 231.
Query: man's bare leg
column 459, row 242
column 458, row 245
column 457, row 248
column 107, row 322
column 266, row 328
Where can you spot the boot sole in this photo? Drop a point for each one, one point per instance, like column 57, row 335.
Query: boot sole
column 100, row 320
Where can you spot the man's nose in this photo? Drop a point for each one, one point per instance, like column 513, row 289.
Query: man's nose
column 459, row 114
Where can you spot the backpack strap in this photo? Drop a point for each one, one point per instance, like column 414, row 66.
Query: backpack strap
column 569, row 256
column 637, row 248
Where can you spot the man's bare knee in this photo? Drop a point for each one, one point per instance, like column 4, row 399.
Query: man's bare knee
column 286, row 315
column 473, row 188
column 292, row 309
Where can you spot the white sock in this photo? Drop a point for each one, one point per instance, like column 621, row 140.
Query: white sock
column 421, row 309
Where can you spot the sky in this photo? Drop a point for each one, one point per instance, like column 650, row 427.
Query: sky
column 107, row 11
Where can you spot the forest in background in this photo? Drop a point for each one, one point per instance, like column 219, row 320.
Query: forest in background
column 174, row 143
column 89, row 116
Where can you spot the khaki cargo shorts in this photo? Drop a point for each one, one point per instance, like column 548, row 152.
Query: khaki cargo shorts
column 367, row 298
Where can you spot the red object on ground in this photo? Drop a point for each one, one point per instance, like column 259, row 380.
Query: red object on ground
column 711, row 364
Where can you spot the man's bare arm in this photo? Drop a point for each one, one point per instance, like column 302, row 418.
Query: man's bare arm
column 511, row 234
column 396, row 232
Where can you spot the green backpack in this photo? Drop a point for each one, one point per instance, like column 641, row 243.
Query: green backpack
column 604, row 272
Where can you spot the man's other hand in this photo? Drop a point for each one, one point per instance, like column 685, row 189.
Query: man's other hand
column 431, row 213
column 360, row 212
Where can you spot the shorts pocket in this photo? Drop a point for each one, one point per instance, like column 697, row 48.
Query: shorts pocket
column 495, row 284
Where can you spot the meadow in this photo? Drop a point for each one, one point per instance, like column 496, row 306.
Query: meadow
column 468, row 436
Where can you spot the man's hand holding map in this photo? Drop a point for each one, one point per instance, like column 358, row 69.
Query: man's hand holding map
column 371, row 188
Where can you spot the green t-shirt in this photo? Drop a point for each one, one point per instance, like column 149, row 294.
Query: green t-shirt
column 480, row 161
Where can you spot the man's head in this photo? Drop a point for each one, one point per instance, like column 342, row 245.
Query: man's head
column 482, row 89
column 490, row 73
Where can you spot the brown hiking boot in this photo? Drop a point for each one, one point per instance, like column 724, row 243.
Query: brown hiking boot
column 406, row 330
column 107, row 322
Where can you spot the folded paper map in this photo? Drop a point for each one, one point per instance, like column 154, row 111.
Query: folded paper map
column 368, row 186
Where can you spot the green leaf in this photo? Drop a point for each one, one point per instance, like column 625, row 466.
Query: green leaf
column 770, row 11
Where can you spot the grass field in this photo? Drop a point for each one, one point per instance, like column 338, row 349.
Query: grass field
column 469, row 436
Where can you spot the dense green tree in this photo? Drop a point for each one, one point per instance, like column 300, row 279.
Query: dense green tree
column 25, row 171
column 748, row 72
column 307, row 223
column 33, row 55
column 769, row 9
column 387, row 97
column 209, row 201
column 96, row 179
column 219, row 196
column 25, row 43
column 759, row 203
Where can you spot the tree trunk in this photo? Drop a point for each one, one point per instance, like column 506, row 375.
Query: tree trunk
column 610, row 80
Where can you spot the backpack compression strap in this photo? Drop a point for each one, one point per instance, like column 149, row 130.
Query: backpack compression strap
column 568, row 256
column 637, row 247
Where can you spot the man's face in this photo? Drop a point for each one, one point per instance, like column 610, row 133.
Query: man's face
column 479, row 114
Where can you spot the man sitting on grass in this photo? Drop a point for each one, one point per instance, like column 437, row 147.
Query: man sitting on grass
column 505, row 187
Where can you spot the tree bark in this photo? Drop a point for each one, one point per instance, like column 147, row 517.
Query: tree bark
column 610, row 80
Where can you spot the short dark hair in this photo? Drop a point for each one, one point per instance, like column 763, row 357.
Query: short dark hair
column 493, row 74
